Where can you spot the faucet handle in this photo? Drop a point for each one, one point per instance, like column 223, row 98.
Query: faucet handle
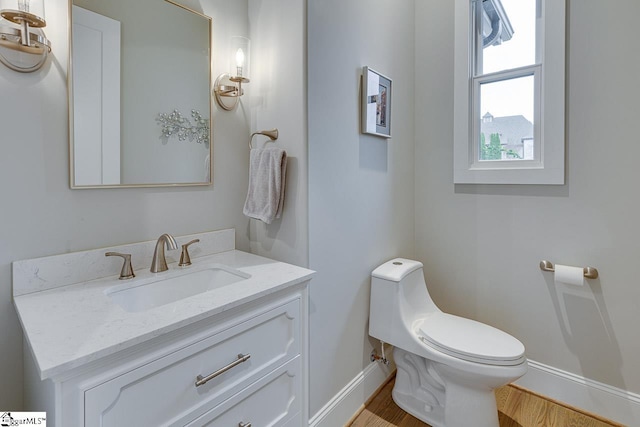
column 185, row 259
column 127, row 269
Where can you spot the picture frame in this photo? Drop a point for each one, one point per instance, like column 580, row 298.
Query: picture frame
column 376, row 103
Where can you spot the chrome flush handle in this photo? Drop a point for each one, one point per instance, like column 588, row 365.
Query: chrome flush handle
column 127, row 269
column 185, row 259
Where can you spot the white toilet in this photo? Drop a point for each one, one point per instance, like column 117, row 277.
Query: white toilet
column 448, row 366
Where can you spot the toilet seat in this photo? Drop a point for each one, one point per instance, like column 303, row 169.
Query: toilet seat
column 470, row 340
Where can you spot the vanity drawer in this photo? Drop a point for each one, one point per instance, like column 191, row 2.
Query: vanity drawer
column 273, row 401
column 164, row 392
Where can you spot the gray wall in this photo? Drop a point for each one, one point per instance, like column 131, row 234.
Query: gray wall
column 276, row 98
column 361, row 209
column 481, row 245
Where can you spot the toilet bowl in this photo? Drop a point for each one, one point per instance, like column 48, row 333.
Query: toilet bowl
column 448, row 366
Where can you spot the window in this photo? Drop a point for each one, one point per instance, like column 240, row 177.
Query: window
column 509, row 92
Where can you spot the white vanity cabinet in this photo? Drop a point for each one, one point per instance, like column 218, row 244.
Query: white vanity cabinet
column 232, row 354
column 164, row 392
column 272, row 401
column 259, row 353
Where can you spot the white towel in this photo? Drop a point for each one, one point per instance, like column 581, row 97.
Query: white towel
column 267, row 169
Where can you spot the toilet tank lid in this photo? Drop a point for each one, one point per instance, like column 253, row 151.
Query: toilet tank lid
column 396, row 269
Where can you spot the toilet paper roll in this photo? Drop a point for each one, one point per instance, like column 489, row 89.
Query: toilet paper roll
column 569, row 275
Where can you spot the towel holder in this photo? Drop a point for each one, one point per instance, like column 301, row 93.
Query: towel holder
column 589, row 272
column 271, row 134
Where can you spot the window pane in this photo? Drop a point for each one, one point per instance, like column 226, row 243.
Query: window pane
column 508, row 31
column 506, row 121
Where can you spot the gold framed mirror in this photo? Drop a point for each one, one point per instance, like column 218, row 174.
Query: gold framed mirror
column 140, row 110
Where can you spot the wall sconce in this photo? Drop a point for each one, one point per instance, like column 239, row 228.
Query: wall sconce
column 228, row 86
column 23, row 45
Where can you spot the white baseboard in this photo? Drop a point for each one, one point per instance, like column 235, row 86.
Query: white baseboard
column 348, row 401
column 592, row 396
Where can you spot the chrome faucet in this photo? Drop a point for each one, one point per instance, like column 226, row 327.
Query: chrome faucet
column 159, row 262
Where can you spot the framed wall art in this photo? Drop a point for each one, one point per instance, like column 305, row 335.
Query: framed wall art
column 376, row 103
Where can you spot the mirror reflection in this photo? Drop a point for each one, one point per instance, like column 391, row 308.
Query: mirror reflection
column 139, row 82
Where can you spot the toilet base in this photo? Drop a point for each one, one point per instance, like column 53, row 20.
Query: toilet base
column 427, row 390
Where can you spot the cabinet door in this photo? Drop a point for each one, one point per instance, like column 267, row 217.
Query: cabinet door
column 164, row 392
column 274, row 400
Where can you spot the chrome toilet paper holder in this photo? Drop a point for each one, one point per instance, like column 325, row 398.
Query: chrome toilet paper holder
column 589, row 272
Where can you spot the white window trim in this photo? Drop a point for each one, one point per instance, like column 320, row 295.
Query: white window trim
column 474, row 163
column 548, row 168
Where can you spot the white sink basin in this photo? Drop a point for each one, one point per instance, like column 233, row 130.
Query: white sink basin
column 153, row 292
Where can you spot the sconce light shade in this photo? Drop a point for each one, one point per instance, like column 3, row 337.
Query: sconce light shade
column 240, row 57
column 23, row 45
column 228, row 86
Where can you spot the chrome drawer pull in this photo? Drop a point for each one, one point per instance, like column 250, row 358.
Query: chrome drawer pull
column 241, row 424
column 200, row 380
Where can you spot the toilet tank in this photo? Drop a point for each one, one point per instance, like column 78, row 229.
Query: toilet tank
column 398, row 296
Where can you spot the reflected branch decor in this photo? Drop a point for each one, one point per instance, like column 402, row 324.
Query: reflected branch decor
column 175, row 124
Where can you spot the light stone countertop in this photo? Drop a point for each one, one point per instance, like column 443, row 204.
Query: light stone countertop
column 70, row 326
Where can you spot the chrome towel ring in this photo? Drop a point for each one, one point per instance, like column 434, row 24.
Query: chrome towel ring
column 271, row 134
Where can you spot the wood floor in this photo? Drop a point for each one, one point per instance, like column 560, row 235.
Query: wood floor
column 516, row 408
